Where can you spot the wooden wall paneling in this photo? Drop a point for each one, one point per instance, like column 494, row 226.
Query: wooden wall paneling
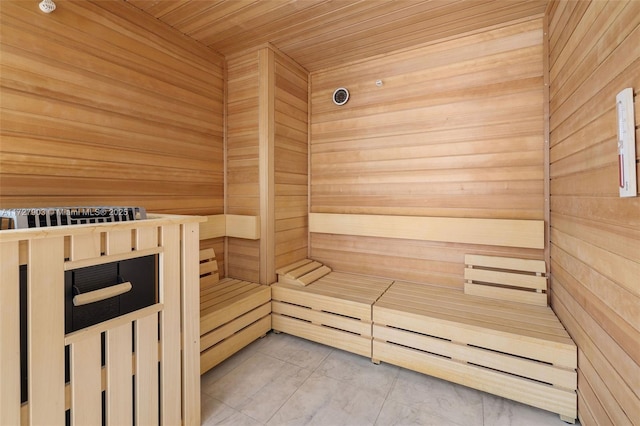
column 430, row 262
column 592, row 389
column 592, row 281
column 115, row 108
column 266, row 163
column 595, row 235
column 597, row 19
column 267, row 160
column 290, row 161
column 242, row 160
column 547, row 164
column 456, row 130
column 585, row 94
column 589, row 337
column 243, row 259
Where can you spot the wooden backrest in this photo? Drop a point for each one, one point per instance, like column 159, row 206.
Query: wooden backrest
column 493, row 232
column 506, row 278
column 208, row 268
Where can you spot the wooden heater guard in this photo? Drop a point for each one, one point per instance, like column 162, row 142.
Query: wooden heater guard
column 165, row 363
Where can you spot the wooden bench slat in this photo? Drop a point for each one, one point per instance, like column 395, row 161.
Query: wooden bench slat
column 484, row 275
column 314, row 275
column 238, row 289
column 286, row 269
column 207, row 282
column 356, row 279
column 220, row 288
column 506, row 278
column 371, row 293
column 213, row 356
column 515, row 365
column 362, row 328
column 302, row 270
column 470, row 318
column 354, row 307
column 210, row 338
column 558, row 400
column 495, row 321
column 509, row 294
column 552, row 349
column 516, row 264
column 432, row 294
column 208, row 267
column 207, row 254
column 222, row 314
column 325, row 335
column 519, row 318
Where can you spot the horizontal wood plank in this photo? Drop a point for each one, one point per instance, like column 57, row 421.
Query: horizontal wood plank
column 512, row 233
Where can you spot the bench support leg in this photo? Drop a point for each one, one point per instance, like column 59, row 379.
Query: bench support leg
column 568, row 419
column 375, row 361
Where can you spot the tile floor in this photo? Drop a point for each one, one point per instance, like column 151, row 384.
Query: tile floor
column 284, row 380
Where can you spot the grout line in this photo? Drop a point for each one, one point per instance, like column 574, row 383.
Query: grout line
column 386, row 397
column 301, row 384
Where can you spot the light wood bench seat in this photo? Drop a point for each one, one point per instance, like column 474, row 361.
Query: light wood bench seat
column 334, row 309
column 509, row 348
column 233, row 313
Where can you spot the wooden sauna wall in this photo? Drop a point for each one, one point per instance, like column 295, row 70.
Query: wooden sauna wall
column 595, row 235
column 290, row 161
column 456, row 130
column 267, row 160
column 102, row 104
column 242, row 160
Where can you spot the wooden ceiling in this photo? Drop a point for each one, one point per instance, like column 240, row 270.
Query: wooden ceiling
column 319, row 34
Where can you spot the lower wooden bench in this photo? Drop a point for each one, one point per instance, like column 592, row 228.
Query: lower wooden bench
column 334, row 310
column 508, row 348
column 233, row 313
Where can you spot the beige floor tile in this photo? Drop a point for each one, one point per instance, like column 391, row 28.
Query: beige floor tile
column 325, row 401
column 294, row 350
column 215, row 412
column 444, row 400
column 394, row 413
column 504, row 412
column 359, row 372
column 258, row 386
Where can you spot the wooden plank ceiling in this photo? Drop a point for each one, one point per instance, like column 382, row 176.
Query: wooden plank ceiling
column 319, row 34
